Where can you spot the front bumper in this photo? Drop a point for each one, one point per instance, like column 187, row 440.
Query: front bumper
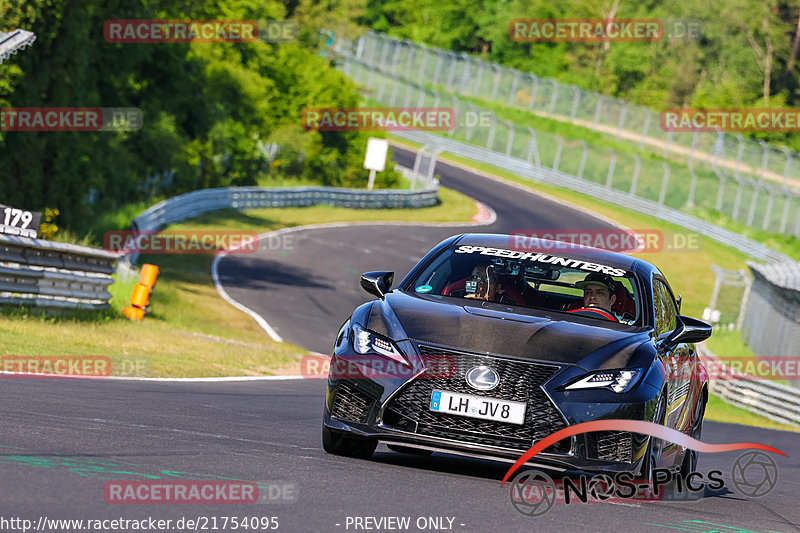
column 395, row 411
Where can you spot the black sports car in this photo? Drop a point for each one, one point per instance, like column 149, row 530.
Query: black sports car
column 486, row 347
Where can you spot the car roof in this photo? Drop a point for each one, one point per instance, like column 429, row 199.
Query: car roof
column 551, row 247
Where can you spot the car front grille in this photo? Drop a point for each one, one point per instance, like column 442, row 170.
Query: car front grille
column 350, row 403
column 520, row 381
column 610, row 445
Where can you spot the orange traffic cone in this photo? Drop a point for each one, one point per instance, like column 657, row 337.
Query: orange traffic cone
column 148, row 275
column 140, row 295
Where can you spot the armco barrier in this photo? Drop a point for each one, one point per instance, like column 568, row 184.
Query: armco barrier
column 766, row 398
column 54, row 274
column 197, row 202
column 770, row 324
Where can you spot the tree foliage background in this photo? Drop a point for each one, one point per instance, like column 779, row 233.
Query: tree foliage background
column 207, row 108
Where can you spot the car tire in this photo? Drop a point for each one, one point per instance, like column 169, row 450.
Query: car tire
column 652, row 456
column 689, row 463
column 337, row 443
column 408, row 449
column 690, row 457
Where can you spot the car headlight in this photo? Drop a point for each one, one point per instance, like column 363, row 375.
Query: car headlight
column 367, row 342
column 616, row 380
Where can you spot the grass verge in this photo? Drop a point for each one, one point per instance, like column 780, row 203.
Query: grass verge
column 189, row 330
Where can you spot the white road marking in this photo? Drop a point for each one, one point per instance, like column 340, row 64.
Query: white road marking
column 488, row 217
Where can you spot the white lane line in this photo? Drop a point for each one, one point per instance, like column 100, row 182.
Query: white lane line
column 255, row 316
column 119, row 423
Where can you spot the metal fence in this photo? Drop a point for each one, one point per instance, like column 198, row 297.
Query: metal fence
column 470, row 76
column 772, row 319
column 54, row 274
column 713, row 171
column 729, row 298
column 196, row 203
column 548, row 158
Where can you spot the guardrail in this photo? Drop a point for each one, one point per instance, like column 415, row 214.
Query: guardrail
column 60, row 275
column 54, row 274
column 197, row 202
column 762, row 397
column 770, row 326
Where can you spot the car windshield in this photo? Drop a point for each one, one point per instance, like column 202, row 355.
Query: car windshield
column 534, row 280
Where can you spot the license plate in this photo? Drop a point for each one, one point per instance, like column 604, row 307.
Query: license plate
column 478, row 407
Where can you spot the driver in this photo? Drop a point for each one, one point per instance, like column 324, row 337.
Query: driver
column 598, row 295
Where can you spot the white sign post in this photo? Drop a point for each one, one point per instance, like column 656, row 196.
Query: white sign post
column 375, row 158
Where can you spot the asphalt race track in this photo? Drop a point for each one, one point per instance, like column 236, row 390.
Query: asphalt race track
column 62, row 440
column 307, row 295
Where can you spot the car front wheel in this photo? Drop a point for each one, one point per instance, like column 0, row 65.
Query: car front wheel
column 689, row 463
column 652, row 456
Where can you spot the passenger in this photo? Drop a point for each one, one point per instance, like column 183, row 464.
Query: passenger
column 485, row 284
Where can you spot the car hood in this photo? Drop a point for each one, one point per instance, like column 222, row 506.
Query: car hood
column 493, row 329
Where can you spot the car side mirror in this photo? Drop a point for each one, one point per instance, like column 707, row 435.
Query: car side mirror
column 678, row 302
column 688, row 330
column 377, row 283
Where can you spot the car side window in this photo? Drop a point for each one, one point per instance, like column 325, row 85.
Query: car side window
column 664, row 308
